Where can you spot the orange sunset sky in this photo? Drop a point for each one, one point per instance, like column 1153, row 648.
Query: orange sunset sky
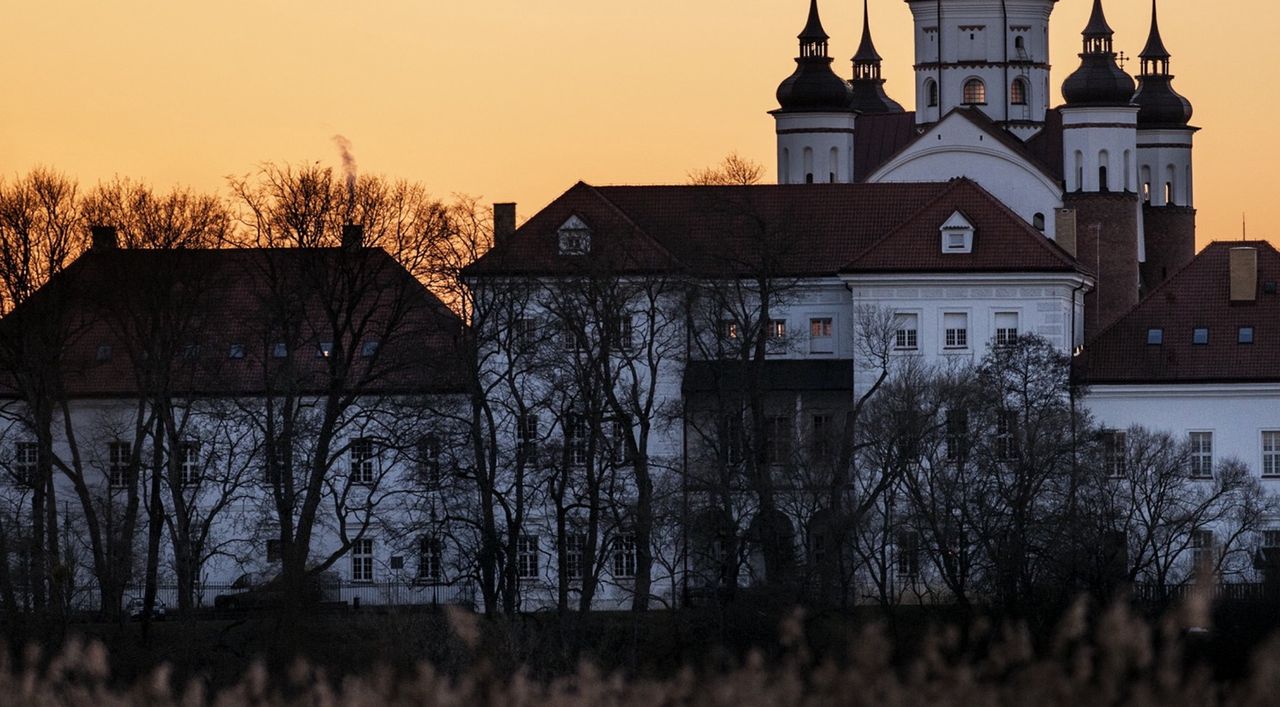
column 514, row 101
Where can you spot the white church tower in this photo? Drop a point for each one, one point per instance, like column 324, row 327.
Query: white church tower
column 815, row 121
column 991, row 54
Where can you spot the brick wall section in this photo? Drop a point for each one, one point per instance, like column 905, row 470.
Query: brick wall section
column 1107, row 244
column 1171, row 242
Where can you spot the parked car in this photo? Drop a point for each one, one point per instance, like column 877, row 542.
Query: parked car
column 135, row 606
column 255, row 591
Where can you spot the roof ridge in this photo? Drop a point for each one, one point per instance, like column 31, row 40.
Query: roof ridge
column 627, row 217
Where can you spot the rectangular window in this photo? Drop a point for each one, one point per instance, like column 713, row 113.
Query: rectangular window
column 325, row 349
column 821, row 336
column 362, row 560
column 1271, row 538
column 103, row 354
column 1245, row 335
column 1201, row 451
column 1271, row 453
column 1202, row 548
column 189, row 462
column 622, row 333
column 279, row 462
column 524, row 334
column 236, row 351
column 273, row 549
column 26, row 463
column 777, row 336
column 907, row 544
column 430, row 558
column 1006, row 441
column 957, row 438
column 620, row 438
column 118, row 454
column 363, row 460
column 369, row 348
column 729, row 330
column 527, row 439
column 527, row 557
column 955, row 330
column 279, row 350
column 1006, row 328
column 575, row 556
column 624, row 556
column 429, row 461
column 1200, row 336
column 577, row 438
column 907, row 335
column 570, row 337
column 777, row 439
column 1155, row 336
column 1114, row 453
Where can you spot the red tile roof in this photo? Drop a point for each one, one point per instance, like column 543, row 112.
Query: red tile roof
column 804, row 230
column 227, row 297
column 1002, row 241
column 1194, row 297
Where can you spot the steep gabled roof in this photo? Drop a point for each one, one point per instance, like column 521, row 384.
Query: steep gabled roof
column 1002, row 242
column 1197, row 296
column 238, row 296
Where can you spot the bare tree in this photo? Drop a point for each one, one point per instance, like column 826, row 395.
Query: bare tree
column 733, row 170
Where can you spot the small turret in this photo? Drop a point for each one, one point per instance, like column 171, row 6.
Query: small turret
column 868, row 87
column 813, row 86
column 1099, row 80
column 1158, row 103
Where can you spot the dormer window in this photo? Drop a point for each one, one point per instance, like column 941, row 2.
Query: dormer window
column 575, row 237
column 957, row 234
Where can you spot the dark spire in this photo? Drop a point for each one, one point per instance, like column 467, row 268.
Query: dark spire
column 813, row 86
column 868, row 87
column 867, row 54
column 1159, row 105
column 813, row 39
column 1155, row 45
column 1099, row 80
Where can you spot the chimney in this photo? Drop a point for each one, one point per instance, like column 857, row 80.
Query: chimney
column 1064, row 230
column 352, row 236
column 104, row 238
column 504, row 222
column 1244, row 274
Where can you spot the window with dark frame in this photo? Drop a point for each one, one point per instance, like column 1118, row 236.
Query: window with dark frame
column 26, row 463
column 363, row 460
column 975, row 92
column 821, row 335
column 273, row 550
column 527, row 557
column 236, row 352
column 1271, row 453
column 1155, row 336
column 189, row 462
column 907, row 335
column 620, row 438
column 430, row 558
column 907, row 548
column 1244, row 335
column 429, row 460
column 1006, row 440
column 777, row 439
column 777, row 340
column 118, row 459
column 734, row 436
column 362, row 560
column 575, row 556
column 957, row 434
column 527, row 439
column 1006, row 328
column 577, row 438
column 1114, row 453
column 820, row 439
column 1201, row 454
column 624, row 556
column 955, row 330
column 1200, row 336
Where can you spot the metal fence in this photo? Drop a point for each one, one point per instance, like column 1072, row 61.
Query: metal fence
column 370, row 594
column 1215, row 593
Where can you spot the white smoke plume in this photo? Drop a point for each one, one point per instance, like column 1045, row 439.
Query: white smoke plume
column 348, row 166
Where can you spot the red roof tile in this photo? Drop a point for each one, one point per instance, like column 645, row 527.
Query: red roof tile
column 1197, row 296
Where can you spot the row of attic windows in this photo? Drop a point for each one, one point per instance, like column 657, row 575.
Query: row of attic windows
column 237, row 351
column 1199, row 336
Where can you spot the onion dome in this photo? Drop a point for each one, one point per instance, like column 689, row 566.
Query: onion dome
column 1158, row 103
column 1099, row 80
column 868, row 87
column 814, row 86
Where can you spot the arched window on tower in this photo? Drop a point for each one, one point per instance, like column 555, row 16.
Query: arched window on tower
column 1038, row 222
column 808, row 165
column 975, row 92
column 1018, row 92
column 1079, row 170
column 1146, row 184
column 1103, row 164
column 784, row 169
column 835, row 164
column 1169, row 198
column 1128, row 160
column 931, row 93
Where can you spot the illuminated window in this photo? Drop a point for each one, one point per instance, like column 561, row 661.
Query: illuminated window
column 975, row 92
column 1018, row 92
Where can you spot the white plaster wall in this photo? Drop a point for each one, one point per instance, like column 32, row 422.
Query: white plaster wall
column 1160, row 150
column 820, row 132
column 958, row 148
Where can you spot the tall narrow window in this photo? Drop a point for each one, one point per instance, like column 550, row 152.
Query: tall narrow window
column 931, row 93
column 430, row 558
column 975, row 92
column 624, row 556
column 527, row 557
column 527, row 439
column 118, row 455
column 1006, row 441
column 955, row 326
column 1114, row 453
column 907, row 546
column 777, row 439
column 1018, row 92
column 820, row 438
column 575, row 556
column 1271, row 453
column 363, row 460
column 429, row 461
column 1203, row 552
column 733, row 439
column 620, row 440
column 26, row 463
column 907, row 335
column 1201, row 452
column 777, row 336
column 189, row 462
column 1006, row 328
column 362, row 560
column 577, row 438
